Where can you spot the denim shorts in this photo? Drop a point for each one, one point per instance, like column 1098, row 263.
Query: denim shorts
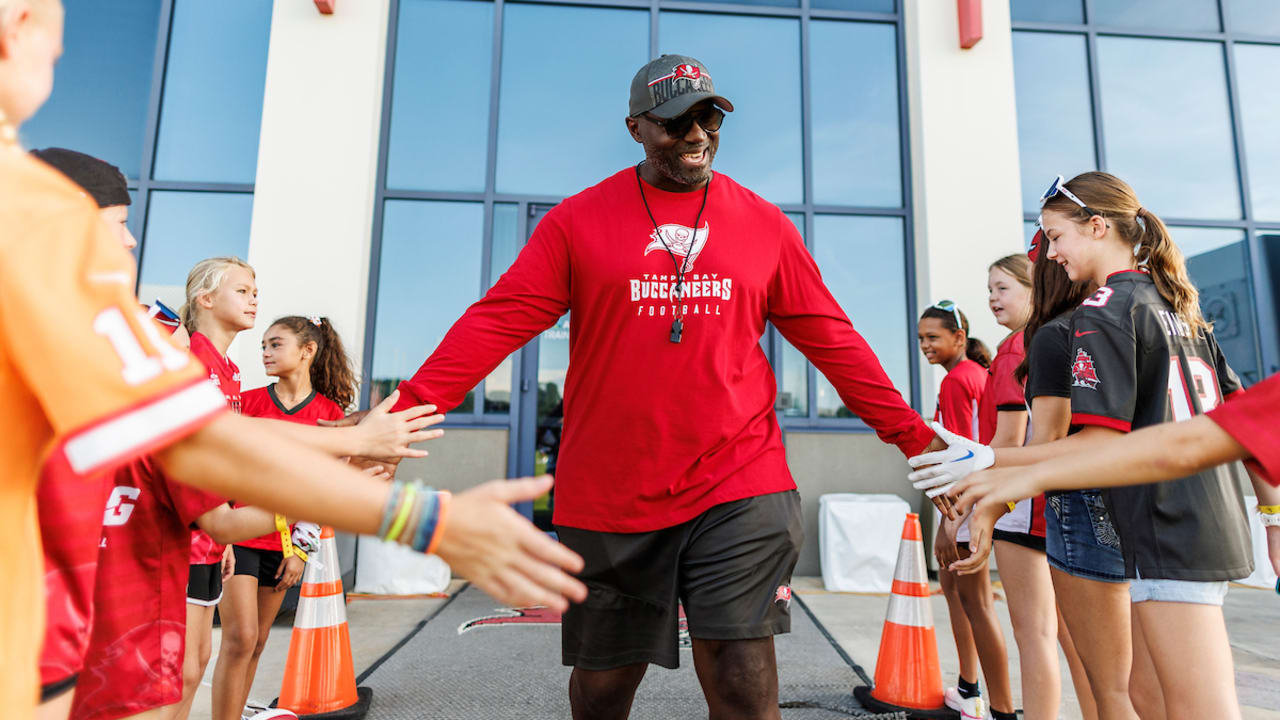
column 1183, row 591
column 1079, row 537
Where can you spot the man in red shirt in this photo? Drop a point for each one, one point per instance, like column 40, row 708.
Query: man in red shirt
column 672, row 480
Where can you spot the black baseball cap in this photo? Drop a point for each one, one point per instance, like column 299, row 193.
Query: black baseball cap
column 672, row 84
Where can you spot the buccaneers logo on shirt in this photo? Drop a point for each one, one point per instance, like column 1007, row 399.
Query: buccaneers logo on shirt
column 681, row 240
column 1083, row 373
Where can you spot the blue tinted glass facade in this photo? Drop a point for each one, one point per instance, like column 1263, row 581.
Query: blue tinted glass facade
column 212, row 109
column 105, row 73
column 1185, row 114
column 149, row 86
column 529, row 140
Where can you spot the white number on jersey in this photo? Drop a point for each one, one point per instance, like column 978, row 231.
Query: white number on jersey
column 1204, row 382
column 138, row 366
column 120, row 505
column 1099, row 298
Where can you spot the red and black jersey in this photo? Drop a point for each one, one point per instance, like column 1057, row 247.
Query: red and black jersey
column 1135, row 363
column 262, row 402
column 1253, row 419
column 226, row 376
column 1005, row 394
column 958, row 397
column 134, row 660
column 1003, row 391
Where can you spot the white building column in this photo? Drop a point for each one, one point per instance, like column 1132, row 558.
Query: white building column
column 317, row 169
column 964, row 157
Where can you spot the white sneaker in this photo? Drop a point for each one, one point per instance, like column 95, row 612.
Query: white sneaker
column 974, row 708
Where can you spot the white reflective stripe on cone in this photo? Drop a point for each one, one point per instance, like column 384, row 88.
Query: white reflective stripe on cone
column 909, row 611
column 320, row 612
column 910, row 567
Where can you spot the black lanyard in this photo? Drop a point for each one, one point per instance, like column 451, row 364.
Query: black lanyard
column 677, row 325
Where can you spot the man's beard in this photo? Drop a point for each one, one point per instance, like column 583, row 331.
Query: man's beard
column 669, row 165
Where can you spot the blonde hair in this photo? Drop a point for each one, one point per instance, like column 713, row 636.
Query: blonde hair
column 1113, row 199
column 205, row 278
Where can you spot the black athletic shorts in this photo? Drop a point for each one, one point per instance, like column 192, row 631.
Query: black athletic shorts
column 204, row 584
column 262, row 564
column 730, row 568
column 1026, row 540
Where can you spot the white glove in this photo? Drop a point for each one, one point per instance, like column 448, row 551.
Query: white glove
column 949, row 466
column 307, row 536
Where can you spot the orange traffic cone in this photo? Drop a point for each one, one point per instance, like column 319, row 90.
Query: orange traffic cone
column 908, row 677
column 319, row 677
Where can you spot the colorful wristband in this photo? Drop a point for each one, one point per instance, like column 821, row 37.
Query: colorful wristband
column 1269, row 509
column 286, row 539
column 441, row 516
column 430, row 513
column 406, row 506
column 389, row 510
column 1012, row 506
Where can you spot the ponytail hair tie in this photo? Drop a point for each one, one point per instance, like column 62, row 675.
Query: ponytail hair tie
column 315, row 320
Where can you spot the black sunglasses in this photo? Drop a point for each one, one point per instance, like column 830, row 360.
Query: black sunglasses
column 710, row 119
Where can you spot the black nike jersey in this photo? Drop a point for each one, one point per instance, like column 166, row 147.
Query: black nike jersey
column 1134, row 363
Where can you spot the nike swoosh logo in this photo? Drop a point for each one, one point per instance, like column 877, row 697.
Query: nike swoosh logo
column 1086, row 332
column 966, row 457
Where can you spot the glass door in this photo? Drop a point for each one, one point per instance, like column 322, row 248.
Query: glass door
column 544, row 363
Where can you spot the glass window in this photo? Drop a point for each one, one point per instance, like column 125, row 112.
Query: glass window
column 1218, row 262
column 856, row 140
column 440, row 99
column 1256, row 17
column 565, row 77
column 1163, row 15
column 1256, row 67
column 793, row 380
column 760, row 143
column 1167, row 125
column 417, row 235
column 776, row 3
column 1058, row 11
column 104, row 74
column 184, row 228
column 1055, row 116
column 212, row 110
column 862, row 262
column 886, row 6
column 507, row 244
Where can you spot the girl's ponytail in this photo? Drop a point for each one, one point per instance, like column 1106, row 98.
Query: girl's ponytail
column 1168, row 268
column 977, row 351
column 331, row 373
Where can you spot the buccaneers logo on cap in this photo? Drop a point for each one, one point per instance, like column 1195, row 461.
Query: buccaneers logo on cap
column 1083, row 373
column 686, row 71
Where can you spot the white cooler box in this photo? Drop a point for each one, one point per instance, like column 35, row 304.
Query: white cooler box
column 389, row 569
column 858, row 539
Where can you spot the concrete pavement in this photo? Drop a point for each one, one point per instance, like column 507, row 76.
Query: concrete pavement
column 853, row 620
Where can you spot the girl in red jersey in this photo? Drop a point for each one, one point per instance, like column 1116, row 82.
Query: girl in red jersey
column 222, row 301
column 943, row 332
column 316, row 382
column 1019, row 535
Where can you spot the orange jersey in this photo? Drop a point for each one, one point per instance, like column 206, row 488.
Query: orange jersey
column 87, row 381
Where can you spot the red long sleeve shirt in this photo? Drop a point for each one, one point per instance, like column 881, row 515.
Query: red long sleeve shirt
column 657, row 432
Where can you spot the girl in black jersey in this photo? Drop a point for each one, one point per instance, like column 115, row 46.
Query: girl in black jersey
column 1083, row 551
column 1142, row 354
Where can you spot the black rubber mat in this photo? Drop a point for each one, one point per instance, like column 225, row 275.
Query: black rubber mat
column 473, row 660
